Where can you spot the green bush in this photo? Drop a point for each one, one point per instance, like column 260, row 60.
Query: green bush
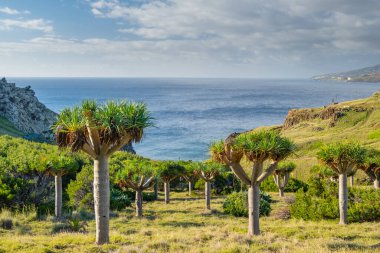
column 147, row 196
column 309, row 207
column 6, row 223
column 293, row 185
column 321, row 202
column 363, row 205
column 119, row 199
column 237, row 204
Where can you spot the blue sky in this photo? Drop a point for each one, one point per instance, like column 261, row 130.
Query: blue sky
column 177, row 38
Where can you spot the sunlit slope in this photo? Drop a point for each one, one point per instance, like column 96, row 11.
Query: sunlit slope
column 6, row 127
column 357, row 120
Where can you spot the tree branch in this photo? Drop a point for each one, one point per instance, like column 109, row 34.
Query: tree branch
column 240, row 173
column 272, row 167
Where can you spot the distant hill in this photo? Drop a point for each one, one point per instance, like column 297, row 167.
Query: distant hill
column 370, row 75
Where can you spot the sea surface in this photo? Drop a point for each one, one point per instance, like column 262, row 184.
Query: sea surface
column 190, row 112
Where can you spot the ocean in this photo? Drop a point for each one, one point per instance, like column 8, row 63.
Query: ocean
column 191, row 112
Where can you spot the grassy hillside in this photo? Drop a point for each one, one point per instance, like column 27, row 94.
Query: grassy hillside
column 185, row 226
column 357, row 120
column 6, row 127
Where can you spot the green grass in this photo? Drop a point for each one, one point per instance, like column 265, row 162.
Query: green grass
column 185, row 226
column 361, row 123
column 6, row 127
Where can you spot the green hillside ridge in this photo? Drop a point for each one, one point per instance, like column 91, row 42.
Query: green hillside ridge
column 357, row 120
column 6, row 127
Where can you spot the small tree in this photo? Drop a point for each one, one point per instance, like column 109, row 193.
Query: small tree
column 190, row 174
column 137, row 174
column 257, row 147
column 208, row 171
column 371, row 167
column 169, row 170
column 282, row 174
column 343, row 158
column 58, row 165
column 100, row 130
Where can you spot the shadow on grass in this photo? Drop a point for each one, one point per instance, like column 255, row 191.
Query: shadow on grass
column 182, row 224
column 350, row 246
column 175, row 211
column 186, row 199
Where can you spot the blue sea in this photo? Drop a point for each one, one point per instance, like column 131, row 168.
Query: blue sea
column 190, row 112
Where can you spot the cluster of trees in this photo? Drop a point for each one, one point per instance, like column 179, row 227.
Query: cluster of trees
column 94, row 133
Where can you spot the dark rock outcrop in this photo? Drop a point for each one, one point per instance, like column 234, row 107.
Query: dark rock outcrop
column 21, row 107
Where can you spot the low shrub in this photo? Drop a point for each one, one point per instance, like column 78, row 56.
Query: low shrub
column 119, row 199
column 363, row 205
column 74, row 223
column 236, row 204
column 321, row 202
column 6, row 223
column 293, row 185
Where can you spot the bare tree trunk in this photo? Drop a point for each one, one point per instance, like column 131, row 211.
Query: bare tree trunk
column 343, row 198
column 281, row 191
column 190, row 187
column 58, row 196
column 156, row 189
column 376, row 183
column 253, row 210
column 352, row 181
column 167, row 192
column 208, row 194
column 101, row 199
column 138, row 202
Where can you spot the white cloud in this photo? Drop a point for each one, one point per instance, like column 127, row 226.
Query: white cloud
column 9, row 11
column 31, row 24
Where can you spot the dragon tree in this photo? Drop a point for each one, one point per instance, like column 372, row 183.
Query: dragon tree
column 137, row 174
column 258, row 147
column 58, row 165
column 168, row 171
column 190, row 174
column 371, row 167
column 208, row 171
column 281, row 175
column 343, row 158
column 99, row 130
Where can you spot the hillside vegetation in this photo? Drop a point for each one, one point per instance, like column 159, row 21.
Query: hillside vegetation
column 6, row 127
column 356, row 120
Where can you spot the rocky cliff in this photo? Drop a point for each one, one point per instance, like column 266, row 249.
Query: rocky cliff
column 21, row 107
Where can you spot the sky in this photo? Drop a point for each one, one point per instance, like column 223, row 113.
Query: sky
column 187, row 38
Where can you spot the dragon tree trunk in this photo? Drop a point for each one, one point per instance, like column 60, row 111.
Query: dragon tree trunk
column 343, row 198
column 208, row 194
column 101, row 199
column 138, row 202
column 253, row 210
column 376, row 183
column 58, row 195
column 190, row 187
column 167, row 192
column 281, row 191
column 156, row 189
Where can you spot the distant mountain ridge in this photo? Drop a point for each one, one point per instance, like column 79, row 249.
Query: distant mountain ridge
column 369, row 74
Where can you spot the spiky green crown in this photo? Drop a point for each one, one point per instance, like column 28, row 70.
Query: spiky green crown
column 263, row 145
column 285, row 167
column 338, row 155
column 112, row 120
